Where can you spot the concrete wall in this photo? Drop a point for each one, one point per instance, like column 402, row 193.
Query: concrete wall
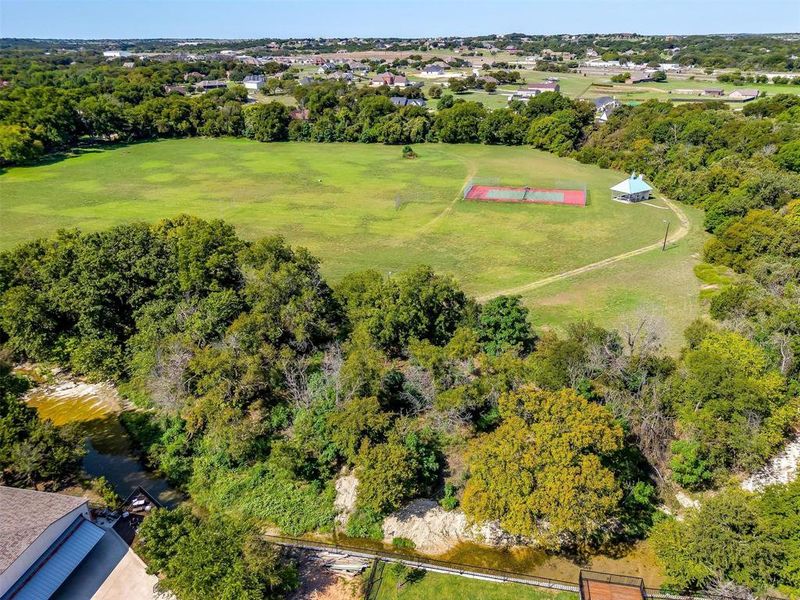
column 17, row 569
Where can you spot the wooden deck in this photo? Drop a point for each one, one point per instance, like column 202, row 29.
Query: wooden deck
column 602, row 590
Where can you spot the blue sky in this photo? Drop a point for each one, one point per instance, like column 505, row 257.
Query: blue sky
column 402, row 18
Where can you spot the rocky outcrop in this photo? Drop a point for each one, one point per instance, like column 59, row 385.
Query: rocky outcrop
column 345, row 501
column 435, row 530
column 783, row 468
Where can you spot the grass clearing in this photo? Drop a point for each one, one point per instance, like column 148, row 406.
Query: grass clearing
column 360, row 206
column 438, row 586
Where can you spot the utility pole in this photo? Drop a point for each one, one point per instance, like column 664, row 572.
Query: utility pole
column 666, row 233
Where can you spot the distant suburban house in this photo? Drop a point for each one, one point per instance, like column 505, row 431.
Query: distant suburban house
column 544, row 86
column 534, row 89
column 403, row 101
column 604, row 106
column 432, row 71
column 210, row 84
column 43, row 538
column 305, row 81
column 128, row 65
column 743, row 95
column 389, row 79
column 358, row 67
column 176, row 89
column 712, row 92
column 488, row 79
column 254, row 82
column 633, row 189
column 640, row 77
column 345, row 76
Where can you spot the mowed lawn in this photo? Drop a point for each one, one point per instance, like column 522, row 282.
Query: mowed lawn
column 353, row 205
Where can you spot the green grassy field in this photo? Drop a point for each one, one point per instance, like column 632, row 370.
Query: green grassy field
column 437, row 586
column 362, row 206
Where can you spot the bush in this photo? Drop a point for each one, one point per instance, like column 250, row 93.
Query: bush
column 690, row 466
column 106, row 492
column 403, row 543
column 294, row 505
column 365, row 523
column 449, row 501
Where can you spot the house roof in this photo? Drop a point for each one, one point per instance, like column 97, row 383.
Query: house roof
column 254, row 78
column 603, row 100
column 403, row 101
column 544, row 85
column 632, row 185
column 433, row 69
column 745, row 92
column 24, row 516
column 56, row 564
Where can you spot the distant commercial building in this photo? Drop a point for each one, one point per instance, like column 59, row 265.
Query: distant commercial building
column 116, row 54
column 633, row 189
column 43, row 538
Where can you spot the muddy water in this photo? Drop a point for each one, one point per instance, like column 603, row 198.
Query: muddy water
column 95, row 408
column 638, row 561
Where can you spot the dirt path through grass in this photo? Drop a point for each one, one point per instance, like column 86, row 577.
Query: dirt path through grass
column 680, row 233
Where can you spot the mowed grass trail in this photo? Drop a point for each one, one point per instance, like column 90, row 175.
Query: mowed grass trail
column 355, row 206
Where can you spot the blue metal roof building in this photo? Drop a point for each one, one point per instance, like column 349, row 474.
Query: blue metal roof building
column 44, row 538
column 633, row 189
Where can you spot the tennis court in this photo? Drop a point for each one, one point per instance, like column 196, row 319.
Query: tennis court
column 525, row 195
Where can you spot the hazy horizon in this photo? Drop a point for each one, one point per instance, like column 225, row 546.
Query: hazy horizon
column 251, row 19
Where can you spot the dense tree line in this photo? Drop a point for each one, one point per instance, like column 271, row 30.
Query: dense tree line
column 32, row 451
column 47, row 110
column 263, row 384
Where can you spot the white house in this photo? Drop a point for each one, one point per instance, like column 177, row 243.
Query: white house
column 43, row 538
column 254, row 82
column 604, row 106
column 633, row 189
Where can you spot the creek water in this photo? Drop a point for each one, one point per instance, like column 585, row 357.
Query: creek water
column 636, row 561
column 95, row 408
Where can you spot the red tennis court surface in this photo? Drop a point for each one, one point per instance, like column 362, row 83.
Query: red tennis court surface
column 489, row 193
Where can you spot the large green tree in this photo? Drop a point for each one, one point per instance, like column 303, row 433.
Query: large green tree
column 541, row 473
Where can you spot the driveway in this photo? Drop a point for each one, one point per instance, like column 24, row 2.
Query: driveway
column 109, row 572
